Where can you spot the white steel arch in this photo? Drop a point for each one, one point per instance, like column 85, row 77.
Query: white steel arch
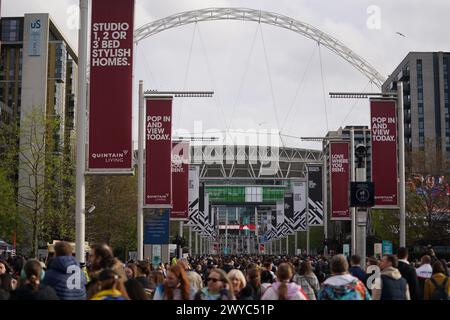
column 270, row 18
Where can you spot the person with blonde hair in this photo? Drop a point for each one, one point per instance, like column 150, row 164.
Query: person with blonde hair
column 219, row 287
column 194, row 278
column 237, row 278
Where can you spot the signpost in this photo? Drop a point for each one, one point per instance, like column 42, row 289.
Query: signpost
column 378, row 250
column 387, row 247
column 346, row 250
column 156, row 226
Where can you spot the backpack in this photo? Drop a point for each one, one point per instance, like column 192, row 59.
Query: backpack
column 440, row 293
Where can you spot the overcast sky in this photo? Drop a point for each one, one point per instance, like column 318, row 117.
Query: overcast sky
column 242, row 61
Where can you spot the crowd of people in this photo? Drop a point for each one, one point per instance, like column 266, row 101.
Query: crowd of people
column 104, row 277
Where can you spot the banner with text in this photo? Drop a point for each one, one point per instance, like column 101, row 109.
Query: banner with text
column 299, row 191
column 339, row 181
column 158, row 149
column 110, row 94
column 180, row 179
column 289, row 212
column 193, row 193
column 315, row 197
column 384, row 152
column 156, row 226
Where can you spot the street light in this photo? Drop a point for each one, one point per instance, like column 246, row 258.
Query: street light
column 401, row 143
column 141, row 134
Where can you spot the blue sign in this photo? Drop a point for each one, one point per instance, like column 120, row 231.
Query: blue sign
column 156, row 226
column 387, row 247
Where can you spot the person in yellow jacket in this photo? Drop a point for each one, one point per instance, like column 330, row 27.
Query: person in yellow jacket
column 174, row 261
column 438, row 286
column 110, row 287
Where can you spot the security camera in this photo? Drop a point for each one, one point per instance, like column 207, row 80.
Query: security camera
column 91, row 209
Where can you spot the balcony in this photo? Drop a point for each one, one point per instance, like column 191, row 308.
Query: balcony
column 407, row 116
column 406, row 87
column 407, row 102
column 407, row 132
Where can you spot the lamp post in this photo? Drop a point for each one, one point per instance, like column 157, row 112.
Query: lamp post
column 401, row 145
column 143, row 95
column 81, row 110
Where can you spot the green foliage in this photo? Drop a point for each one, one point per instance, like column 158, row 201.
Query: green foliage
column 42, row 190
column 114, row 219
column 8, row 210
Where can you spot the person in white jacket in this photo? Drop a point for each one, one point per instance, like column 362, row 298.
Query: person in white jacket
column 284, row 289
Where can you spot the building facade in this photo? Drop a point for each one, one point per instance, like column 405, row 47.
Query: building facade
column 426, row 77
column 38, row 69
column 38, row 76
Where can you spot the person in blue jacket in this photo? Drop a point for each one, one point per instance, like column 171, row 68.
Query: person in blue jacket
column 64, row 274
column 356, row 270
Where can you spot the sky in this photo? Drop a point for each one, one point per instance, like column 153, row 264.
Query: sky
column 266, row 78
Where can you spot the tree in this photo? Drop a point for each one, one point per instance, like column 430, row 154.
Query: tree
column 114, row 218
column 427, row 213
column 429, row 197
column 33, row 159
column 7, row 207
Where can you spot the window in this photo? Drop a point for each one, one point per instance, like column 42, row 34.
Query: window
column 420, row 96
column 421, row 126
column 419, row 66
column 420, row 108
column 419, row 82
column 421, row 140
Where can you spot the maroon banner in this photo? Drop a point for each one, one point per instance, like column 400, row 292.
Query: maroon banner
column 383, row 120
column 180, row 180
column 110, row 106
column 158, row 162
column 339, row 181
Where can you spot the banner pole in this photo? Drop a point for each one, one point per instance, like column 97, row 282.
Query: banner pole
column 287, row 244
column 296, row 242
column 226, row 231
column 190, row 241
column 196, row 243
column 352, row 178
column 325, row 203
column 180, row 254
column 81, row 133
column 307, row 215
column 401, row 156
column 140, row 213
